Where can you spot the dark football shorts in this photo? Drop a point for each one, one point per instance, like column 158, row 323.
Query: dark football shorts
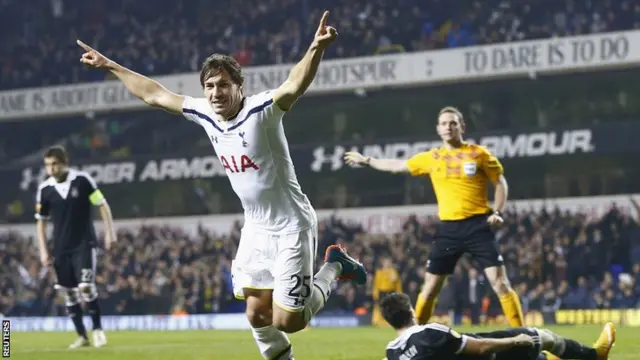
column 454, row 238
column 75, row 268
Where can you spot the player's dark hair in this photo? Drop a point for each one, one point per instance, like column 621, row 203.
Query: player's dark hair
column 396, row 310
column 218, row 62
column 454, row 111
column 57, row 152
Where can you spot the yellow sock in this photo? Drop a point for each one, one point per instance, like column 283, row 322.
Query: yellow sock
column 424, row 309
column 512, row 308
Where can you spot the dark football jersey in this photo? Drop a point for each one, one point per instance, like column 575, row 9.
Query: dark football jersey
column 69, row 206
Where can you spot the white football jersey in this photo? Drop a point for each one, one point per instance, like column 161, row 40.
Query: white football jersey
column 254, row 151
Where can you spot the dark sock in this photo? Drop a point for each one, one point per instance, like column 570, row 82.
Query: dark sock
column 94, row 311
column 75, row 312
column 575, row 350
column 541, row 356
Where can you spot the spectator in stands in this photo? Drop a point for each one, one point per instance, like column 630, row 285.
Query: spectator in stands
column 162, row 270
column 152, row 39
column 386, row 280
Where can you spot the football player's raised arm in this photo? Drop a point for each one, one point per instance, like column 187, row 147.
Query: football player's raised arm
column 303, row 73
column 142, row 87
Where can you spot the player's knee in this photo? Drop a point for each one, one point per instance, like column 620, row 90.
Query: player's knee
column 497, row 276
column 501, row 285
column 289, row 322
column 88, row 291
column 432, row 285
column 258, row 315
column 71, row 296
column 551, row 342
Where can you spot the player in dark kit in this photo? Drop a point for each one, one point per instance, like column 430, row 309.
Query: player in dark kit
column 439, row 342
column 66, row 198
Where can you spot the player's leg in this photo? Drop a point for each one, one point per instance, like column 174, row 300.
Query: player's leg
column 84, row 264
column 557, row 347
column 272, row 343
column 443, row 256
column 67, row 284
column 483, row 247
column 298, row 295
column 520, row 353
column 253, row 282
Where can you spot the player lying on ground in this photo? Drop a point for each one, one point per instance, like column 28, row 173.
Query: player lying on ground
column 67, row 197
column 439, row 342
column 273, row 268
column 460, row 173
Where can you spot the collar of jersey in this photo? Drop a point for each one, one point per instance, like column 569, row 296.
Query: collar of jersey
column 463, row 145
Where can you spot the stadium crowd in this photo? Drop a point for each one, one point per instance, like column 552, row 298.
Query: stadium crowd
column 555, row 260
column 174, row 36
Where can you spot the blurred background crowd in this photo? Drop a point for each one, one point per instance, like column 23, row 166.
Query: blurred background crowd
column 555, row 259
column 174, row 36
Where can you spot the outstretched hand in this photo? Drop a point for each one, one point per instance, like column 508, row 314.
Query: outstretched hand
column 355, row 159
column 325, row 34
column 92, row 57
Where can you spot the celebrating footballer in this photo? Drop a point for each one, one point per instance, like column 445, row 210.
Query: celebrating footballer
column 273, row 268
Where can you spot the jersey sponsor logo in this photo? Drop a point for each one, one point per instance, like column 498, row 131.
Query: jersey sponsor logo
column 236, row 164
column 409, row 354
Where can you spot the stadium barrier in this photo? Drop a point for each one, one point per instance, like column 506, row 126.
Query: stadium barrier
column 612, row 50
column 374, row 220
column 625, row 317
column 168, row 322
column 628, row 317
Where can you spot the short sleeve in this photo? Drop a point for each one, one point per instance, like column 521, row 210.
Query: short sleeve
column 490, row 165
column 420, row 164
column 95, row 195
column 270, row 113
column 42, row 205
column 196, row 109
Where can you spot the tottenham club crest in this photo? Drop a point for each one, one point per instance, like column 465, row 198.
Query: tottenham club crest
column 244, row 142
column 74, row 192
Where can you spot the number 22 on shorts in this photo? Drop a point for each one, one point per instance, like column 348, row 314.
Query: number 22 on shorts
column 86, row 275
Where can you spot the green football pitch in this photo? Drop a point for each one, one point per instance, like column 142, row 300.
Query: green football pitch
column 313, row 344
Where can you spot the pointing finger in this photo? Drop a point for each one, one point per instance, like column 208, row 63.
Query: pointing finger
column 323, row 20
column 84, row 46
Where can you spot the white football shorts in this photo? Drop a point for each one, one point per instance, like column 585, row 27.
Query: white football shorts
column 280, row 262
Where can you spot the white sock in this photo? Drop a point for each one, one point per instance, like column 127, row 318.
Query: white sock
column 321, row 289
column 273, row 343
